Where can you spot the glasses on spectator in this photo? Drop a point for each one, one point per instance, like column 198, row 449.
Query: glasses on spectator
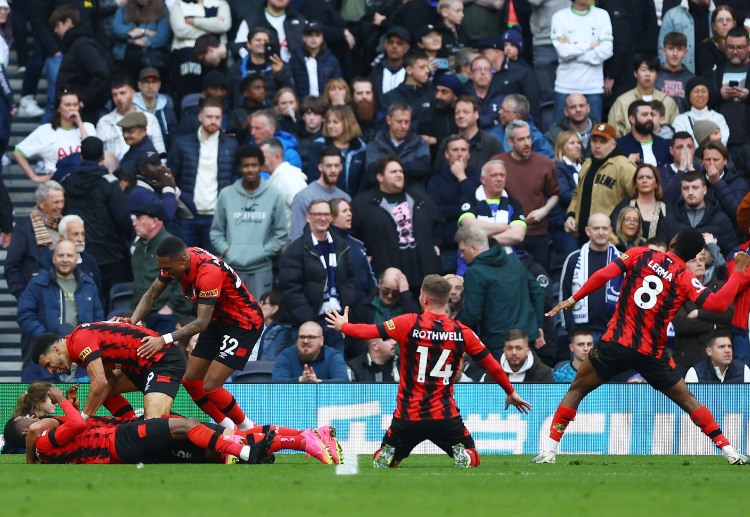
column 308, row 338
column 631, row 220
column 319, row 214
column 390, row 292
column 506, row 111
column 482, row 69
column 736, row 48
column 4, row 9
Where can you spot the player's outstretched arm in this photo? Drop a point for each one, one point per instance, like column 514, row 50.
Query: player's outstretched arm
column 594, row 282
column 741, row 261
column 335, row 320
column 563, row 305
column 147, row 300
column 515, row 399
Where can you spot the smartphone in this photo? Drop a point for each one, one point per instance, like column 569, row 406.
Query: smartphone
column 734, row 84
column 271, row 49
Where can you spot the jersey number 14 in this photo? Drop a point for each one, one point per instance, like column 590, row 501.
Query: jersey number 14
column 441, row 370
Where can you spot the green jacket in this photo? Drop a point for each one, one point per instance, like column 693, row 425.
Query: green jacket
column 500, row 294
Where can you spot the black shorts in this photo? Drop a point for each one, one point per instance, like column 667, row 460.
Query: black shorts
column 610, row 359
column 143, row 441
column 164, row 375
column 226, row 344
column 404, row 435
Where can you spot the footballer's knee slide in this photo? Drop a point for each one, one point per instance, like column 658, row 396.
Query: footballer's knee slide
column 474, row 456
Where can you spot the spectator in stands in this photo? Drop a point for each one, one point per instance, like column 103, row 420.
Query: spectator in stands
column 698, row 211
column 720, row 367
column 85, row 62
column 516, row 107
column 149, row 99
column 378, row 364
column 400, row 225
column 440, row 122
column 674, row 75
column 545, row 56
column 249, row 228
column 582, row 37
column 416, row 91
column 581, row 341
column 691, row 18
column 253, row 91
column 57, row 139
column 454, row 35
column 263, row 125
column 730, row 87
column 133, row 127
column 284, row 177
column 56, row 301
column 341, row 131
column 284, row 24
column 34, row 237
column 316, row 274
column 310, row 360
column 72, row 228
column 647, row 197
column 286, row 105
column 398, row 139
column 698, row 95
column 682, row 149
column 661, row 127
column 641, row 145
column 107, row 129
column 480, row 87
column 365, row 109
column 482, row 144
column 706, row 131
column 513, row 46
column 312, row 63
column 593, row 312
column 532, row 179
column 148, row 224
column 604, row 180
column 392, row 298
column 203, row 163
column 711, row 52
column 498, row 283
column 724, row 182
column 390, row 71
column 262, row 57
column 95, row 195
column 646, row 70
column 270, row 303
column 364, row 279
column 693, row 325
column 576, row 118
column 330, row 167
column 190, row 20
column 142, row 36
column 520, row 362
column 337, row 92
column 215, row 86
column 456, row 300
column 628, row 231
column 312, row 112
column 568, row 156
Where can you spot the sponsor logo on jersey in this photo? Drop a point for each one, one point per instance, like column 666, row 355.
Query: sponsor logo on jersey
column 84, row 353
column 390, row 325
column 213, row 293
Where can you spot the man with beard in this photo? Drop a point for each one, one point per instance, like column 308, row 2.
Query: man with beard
column 364, row 108
column 577, row 118
column 133, row 127
column 641, row 145
column 330, row 167
column 441, row 122
column 310, row 360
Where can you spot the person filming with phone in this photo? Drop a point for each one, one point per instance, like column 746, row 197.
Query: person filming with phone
column 261, row 55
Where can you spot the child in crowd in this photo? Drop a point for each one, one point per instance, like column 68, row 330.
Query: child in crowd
column 661, row 128
column 313, row 65
column 253, row 88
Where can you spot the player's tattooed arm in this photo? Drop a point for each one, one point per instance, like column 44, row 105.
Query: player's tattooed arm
column 152, row 344
column 146, row 302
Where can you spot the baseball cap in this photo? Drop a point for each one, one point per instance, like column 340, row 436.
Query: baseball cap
column 135, row 119
column 398, row 31
column 149, row 157
column 605, row 131
column 149, row 71
column 495, row 42
column 92, row 149
column 215, row 78
column 141, row 205
column 424, row 30
column 312, row 27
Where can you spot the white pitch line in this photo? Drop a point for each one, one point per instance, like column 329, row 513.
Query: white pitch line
column 348, row 468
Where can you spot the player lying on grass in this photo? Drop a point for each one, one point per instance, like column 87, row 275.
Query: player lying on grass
column 69, row 439
column 656, row 285
column 431, row 347
column 109, row 352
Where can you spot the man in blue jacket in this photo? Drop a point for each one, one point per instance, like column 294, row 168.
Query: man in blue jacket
column 56, row 300
column 310, row 360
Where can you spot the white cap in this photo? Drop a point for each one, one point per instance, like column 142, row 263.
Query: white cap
column 4, row 3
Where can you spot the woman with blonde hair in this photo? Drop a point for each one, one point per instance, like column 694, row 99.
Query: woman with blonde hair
column 286, row 106
column 337, row 92
column 646, row 195
column 628, row 232
column 568, row 158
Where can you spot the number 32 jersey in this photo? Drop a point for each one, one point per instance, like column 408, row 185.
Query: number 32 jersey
column 655, row 287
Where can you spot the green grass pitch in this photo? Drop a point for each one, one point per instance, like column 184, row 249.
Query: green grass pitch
column 423, row 485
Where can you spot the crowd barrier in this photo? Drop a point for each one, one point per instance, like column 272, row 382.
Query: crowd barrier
column 615, row 419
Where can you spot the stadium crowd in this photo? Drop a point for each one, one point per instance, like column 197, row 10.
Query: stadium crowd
column 333, row 154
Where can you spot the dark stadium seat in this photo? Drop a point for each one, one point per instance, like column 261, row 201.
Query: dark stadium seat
column 120, row 297
column 254, row 372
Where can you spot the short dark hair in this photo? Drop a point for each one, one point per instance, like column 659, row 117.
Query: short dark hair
column 688, row 243
column 651, row 61
column 680, row 135
column 675, row 39
column 250, row 151
column 171, row 247
column 380, row 163
column 203, row 43
column 398, row 106
column 514, row 334
column 336, row 203
column 656, row 241
column 65, row 12
column 716, row 146
column 470, row 99
column 318, row 105
column 454, row 138
column 693, row 176
column 717, row 334
column 42, row 344
column 580, row 331
column 330, row 150
column 119, row 81
column 250, row 79
column 658, row 106
column 633, row 107
column 210, row 102
column 737, row 32
column 273, row 298
column 437, row 289
column 413, row 56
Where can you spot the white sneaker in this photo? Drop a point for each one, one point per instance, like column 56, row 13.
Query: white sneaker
column 733, row 457
column 545, row 457
column 28, row 108
column 6, row 160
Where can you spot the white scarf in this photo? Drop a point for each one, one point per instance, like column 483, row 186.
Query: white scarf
column 330, row 295
column 581, row 275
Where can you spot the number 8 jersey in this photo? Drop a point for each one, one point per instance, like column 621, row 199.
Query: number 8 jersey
column 656, row 285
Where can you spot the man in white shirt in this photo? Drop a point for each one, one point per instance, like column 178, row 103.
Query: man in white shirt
column 287, row 178
column 720, row 367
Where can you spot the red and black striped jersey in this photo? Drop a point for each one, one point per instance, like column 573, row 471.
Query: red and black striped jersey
column 75, row 442
column 211, row 281
column 115, row 343
column 431, row 349
column 655, row 287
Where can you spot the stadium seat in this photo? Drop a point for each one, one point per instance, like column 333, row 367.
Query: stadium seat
column 120, row 297
column 548, row 114
column 255, row 372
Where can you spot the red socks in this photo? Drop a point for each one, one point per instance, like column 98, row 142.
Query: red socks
column 119, row 407
column 199, row 396
column 703, row 418
column 280, row 431
column 207, row 438
column 226, row 404
column 295, row 442
column 563, row 416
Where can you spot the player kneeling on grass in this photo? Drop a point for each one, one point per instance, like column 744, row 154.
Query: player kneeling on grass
column 431, row 347
column 109, row 352
column 656, row 285
column 70, row 439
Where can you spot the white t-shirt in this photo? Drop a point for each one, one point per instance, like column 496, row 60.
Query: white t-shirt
column 648, row 152
column 277, row 22
column 53, row 144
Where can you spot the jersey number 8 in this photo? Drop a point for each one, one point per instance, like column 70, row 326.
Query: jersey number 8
column 645, row 295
